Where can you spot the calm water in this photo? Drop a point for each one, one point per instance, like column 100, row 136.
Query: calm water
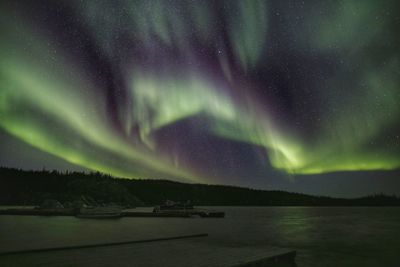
column 361, row 236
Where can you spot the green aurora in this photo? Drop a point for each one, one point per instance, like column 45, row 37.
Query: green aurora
column 343, row 115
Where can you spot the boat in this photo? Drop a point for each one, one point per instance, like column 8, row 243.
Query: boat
column 178, row 208
column 211, row 214
column 170, row 205
column 98, row 212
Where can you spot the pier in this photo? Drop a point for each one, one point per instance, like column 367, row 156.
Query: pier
column 203, row 213
column 166, row 251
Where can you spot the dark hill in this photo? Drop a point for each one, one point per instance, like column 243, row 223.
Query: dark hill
column 19, row 187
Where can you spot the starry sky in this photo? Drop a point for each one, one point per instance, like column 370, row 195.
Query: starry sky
column 292, row 95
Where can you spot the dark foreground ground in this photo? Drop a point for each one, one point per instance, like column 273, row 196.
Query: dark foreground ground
column 322, row 236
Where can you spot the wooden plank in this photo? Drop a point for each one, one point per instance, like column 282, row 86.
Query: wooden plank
column 167, row 254
column 40, row 250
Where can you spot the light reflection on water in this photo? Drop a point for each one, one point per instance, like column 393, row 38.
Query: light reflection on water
column 323, row 236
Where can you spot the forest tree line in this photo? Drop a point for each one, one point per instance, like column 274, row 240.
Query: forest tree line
column 20, row 187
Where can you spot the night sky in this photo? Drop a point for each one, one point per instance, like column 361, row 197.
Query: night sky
column 294, row 95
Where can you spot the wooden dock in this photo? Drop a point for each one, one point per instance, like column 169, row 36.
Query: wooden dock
column 38, row 212
column 155, row 214
column 126, row 213
column 167, row 252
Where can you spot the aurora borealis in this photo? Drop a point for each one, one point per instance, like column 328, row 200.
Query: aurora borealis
column 203, row 91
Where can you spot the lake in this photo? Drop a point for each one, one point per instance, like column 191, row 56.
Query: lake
column 322, row 236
